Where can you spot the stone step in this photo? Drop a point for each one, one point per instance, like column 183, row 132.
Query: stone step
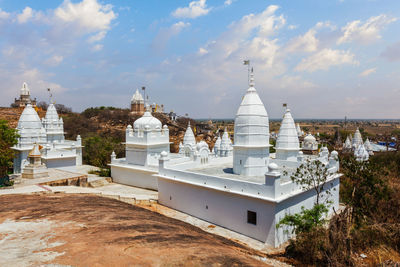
column 99, row 182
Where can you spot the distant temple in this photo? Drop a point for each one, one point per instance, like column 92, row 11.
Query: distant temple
column 137, row 103
column 48, row 133
column 24, row 97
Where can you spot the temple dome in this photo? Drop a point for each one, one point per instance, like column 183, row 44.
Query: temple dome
column 251, row 122
column 137, row 97
column 51, row 114
column 189, row 136
column 29, row 119
column 288, row 137
column 309, row 138
column 147, row 121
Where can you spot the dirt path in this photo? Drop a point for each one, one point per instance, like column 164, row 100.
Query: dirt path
column 83, row 230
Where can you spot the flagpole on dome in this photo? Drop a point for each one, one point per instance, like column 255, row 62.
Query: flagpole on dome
column 247, row 62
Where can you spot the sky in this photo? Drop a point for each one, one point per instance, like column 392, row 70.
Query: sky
column 325, row 59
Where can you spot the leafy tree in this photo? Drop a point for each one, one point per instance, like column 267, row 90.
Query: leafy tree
column 98, row 150
column 364, row 187
column 8, row 138
column 313, row 175
column 306, row 220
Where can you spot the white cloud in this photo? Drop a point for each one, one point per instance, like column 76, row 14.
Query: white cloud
column 26, row 14
column 54, row 60
column 367, row 32
column 165, row 34
column 97, row 37
column 228, row 2
column 325, row 59
column 202, row 51
column 292, row 27
column 88, row 15
column 194, row 10
column 309, row 41
column 97, row 47
column 4, row 15
column 368, row 72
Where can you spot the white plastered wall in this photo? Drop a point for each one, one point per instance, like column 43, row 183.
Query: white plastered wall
column 134, row 177
column 221, row 208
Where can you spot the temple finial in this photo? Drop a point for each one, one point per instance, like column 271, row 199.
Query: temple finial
column 252, row 83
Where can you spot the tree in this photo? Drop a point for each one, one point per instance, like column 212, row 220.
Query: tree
column 365, row 186
column 8, row 138
column 313, row 175
column 98, row 150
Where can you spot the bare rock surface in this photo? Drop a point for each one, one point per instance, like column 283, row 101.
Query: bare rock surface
column 84, row 230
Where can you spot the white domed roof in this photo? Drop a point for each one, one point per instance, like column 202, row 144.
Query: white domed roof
column 309, row 138
column 29, row 119
column 147, row 121
column 287, row 137
column 251, row 122
column 137, row 97
column 51, row 113
column 189, row 136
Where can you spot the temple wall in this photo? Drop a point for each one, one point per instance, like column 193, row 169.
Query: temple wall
column 134, row 177
column 60, row 162
column 221, row 208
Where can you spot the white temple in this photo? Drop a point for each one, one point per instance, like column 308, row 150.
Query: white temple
column 48, row 133
column 287, row 144
column 248, row 191
column 355, row 144
column 300, row 132
column 310, row 144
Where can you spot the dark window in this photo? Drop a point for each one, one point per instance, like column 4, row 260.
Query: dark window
column 170, row 198
column 206, row 207
column 252, row 217
column 240, row 162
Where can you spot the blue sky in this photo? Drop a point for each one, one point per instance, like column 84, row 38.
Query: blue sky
column 326, row 59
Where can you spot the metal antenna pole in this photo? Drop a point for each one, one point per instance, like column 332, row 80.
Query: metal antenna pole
column 144, row 95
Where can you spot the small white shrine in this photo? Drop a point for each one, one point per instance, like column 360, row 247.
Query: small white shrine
column 310, row 144
column 241, row 186
column 49, row 134
column 35, row 168
column 223, row 147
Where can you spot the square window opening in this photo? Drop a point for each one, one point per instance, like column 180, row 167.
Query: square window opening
column 252, row 217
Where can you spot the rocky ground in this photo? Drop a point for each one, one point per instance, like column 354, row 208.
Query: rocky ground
column 83, row 230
